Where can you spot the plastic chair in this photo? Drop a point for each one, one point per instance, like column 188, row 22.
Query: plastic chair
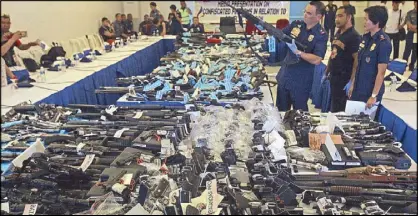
column 84, row 42
column 282, row 23
column 92, row 42
column 66, row 45
column 37, row 53
column 76, row 47
column 99, row 40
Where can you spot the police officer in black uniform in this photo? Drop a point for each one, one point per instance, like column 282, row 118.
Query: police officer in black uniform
column 329, row 19
column 343, row 59
column 373, row 58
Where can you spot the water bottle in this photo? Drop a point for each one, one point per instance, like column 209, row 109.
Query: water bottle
column 393, row 83
column 42, row 74
column 93, row 55
column 76, row 59
column 64, row 66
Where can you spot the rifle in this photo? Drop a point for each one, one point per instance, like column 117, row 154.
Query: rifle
column 277, row 33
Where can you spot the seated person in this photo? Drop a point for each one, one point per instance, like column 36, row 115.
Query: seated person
column 129, row 24
column 158, row 27
column 142, row 25
column 175, row 21
column 106, row 31
column 196, row 27
column 9, row 40
column 118, row 27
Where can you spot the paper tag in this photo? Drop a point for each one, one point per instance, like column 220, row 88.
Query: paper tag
column 5, row 207
column 103, row 118
column 119, row 133
column 138, row 115
column 352, row 163
column 30, row 209
column 87, row 161
column 127, row 178
column 175, row 73
column 161, row 132
column 80, row 146
column 212, row 191
column 177, row 88
column 37, row 147
column 188, row 106
column 138, row 210
column 196, row 93
column 185, row 79
column 111, row 109
column 198, row 70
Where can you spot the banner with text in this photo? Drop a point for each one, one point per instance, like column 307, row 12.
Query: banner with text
column 269, row 11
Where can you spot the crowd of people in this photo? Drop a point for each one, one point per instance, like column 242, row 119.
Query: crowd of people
column 178, row 21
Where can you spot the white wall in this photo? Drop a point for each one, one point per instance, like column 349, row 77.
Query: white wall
column 58, row 20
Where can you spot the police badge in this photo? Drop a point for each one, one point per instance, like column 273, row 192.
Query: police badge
column 372, row 47
column 310, row 38
column 295, row 32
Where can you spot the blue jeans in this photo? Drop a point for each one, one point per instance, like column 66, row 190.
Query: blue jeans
column 410, row 46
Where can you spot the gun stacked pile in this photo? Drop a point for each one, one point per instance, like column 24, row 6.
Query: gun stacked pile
column 210, row 75
column 360, row 141
column 117, row 160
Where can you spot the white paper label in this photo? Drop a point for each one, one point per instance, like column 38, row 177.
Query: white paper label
column 80, row 146
column 87, row 161
column 140, row 145
column 177, row 88
column 37, row 147
column 119, row 133
column 5, row 207
column 138, row 115
column 185, row 78
column 103, row 118
column 175, row 73
column 127, row 178
column 161, row 132
column 196, row 93
column 30, row 209
column 352, row 163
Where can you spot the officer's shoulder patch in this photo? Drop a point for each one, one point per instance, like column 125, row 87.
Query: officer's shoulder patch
column 382, row 37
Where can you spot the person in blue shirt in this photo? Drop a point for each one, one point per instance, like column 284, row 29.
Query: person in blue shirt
column 329, row 19
column 373, row 58
column 295, row 80
column 196, row 27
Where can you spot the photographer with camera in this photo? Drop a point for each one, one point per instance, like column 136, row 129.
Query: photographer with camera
column 9, row 40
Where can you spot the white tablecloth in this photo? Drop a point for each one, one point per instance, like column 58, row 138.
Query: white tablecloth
column 57, row 81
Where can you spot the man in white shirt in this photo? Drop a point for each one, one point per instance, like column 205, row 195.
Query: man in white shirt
column 395, row 20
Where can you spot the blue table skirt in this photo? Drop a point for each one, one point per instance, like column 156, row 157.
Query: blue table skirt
column 401, row 131
column 139, row 63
